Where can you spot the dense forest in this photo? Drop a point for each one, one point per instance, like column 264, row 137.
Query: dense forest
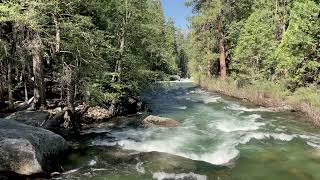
column 103, row 52
column 271, row 46
column 96, row 51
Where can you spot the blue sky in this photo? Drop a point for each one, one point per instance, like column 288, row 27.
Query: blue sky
column 178, row 11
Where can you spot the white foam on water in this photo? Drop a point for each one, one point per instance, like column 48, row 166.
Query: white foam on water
column 140, row 168
column 104, row 143
column 186, row 80
column 237, row 107
column 92, row 163
column 182, row 107
column 232, row 125
column 260, row 136
column 223, row 154
column 312, row 140
column 191, row 175
column 208, row 100
column 314, row 145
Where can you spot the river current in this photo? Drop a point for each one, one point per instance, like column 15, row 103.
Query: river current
column 219, row 138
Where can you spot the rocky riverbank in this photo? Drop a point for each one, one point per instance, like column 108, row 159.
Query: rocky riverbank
column 38, row 137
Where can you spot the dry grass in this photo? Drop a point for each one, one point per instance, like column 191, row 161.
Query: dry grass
column 269, row 94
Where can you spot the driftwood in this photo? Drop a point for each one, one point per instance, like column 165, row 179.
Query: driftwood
column 24, row 105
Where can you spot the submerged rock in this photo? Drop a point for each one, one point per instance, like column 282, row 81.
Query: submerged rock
column 151, row 121
column 28, row 150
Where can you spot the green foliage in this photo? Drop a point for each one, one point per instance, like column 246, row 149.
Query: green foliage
column 113, row 48
column 266, row 40
column 255, row 45
column 298, row 53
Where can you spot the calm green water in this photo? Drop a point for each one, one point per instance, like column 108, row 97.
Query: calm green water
column 220, row 138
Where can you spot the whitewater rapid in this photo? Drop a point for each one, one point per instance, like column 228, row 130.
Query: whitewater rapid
column 212, row 129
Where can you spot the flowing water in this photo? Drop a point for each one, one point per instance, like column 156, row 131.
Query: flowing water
column 219, row 138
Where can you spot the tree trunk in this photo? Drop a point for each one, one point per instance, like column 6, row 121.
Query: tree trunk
column 57, row 28
column 209, row 63
column 39, row 88
column 223, row 67
column 70, row 98
column 10, row 62
column 2, row 83
column 10, row 97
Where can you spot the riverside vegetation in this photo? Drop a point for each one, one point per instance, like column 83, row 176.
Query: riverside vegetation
column 267, row 52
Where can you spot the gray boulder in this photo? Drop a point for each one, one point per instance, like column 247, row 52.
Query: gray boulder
column 152, row 121
column 28, row 150
column 175, row 78
column 32, row 118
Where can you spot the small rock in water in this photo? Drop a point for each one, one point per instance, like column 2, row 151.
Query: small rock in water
column 151, row 121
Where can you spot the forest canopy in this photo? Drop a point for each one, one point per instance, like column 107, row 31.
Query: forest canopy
column 95, row 50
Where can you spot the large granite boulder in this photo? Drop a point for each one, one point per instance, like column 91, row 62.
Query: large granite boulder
column 32, row 118
column 152, row 121
column 28, row 150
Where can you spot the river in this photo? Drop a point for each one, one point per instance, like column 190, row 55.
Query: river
column 219, row 138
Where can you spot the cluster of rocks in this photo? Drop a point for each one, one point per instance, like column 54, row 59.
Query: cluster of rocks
column 30, row 144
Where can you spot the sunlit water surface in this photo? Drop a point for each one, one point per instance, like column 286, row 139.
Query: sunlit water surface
column 219, row 138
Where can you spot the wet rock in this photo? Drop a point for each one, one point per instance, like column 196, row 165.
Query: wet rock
column 32, row 118
column 151, row 121
column 175, row 78
column 28, row 150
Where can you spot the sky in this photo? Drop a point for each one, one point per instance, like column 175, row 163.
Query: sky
column 178, row 11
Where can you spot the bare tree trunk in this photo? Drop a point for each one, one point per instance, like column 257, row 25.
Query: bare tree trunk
column 2, row 84
column 25, row 79
column 10, row 97
column 39, row 88
column 57, row 28
column 223, row 67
